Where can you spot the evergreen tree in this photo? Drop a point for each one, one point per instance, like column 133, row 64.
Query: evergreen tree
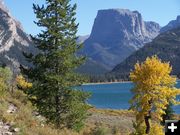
column 52, row 74
column 5, row 79
column 169, row 113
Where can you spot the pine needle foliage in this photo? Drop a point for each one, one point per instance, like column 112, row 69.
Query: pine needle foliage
column 53, row 73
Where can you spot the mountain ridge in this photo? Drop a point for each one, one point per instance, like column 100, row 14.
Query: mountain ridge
column 105, row 46
column 166, row 46
column 171, row 25
column 13, row 40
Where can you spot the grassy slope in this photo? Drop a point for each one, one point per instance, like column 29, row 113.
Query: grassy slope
column 99, row 122
column 24, row 118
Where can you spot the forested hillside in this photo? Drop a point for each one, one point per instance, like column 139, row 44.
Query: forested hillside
column 166, row 46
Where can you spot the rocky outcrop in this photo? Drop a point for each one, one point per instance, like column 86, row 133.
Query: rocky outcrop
column 13, row 40
column 5, row 129
column 171, row 25
column 117, row 33
column 8, row 128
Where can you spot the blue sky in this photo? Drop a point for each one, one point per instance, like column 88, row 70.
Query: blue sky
column 160, row 11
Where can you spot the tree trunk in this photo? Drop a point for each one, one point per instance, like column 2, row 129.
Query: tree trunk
column 57, row 112
column 146, row 118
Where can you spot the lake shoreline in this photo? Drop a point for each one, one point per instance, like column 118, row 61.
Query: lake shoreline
column 107, row 83
column 98, row 83
column 113, row 95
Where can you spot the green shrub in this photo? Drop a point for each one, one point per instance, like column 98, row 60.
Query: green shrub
column 156, row 129
column 5, row 78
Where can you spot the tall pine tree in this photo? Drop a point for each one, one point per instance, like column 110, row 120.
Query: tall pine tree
column 52, row 74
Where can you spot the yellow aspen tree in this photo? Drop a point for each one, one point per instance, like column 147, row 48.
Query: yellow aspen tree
column 22, row 83
column 153, row 89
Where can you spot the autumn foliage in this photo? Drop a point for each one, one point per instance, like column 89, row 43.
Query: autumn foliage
column 154, row 88
column 22, row 83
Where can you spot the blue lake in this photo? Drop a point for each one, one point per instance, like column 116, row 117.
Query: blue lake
column 114, row 96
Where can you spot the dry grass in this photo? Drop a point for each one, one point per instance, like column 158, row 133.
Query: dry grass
column 117, row 121
column 29, row 124
column 99, row 122
column 111, row 112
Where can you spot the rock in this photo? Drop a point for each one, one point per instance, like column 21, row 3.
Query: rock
column 42, row 125
column 12, row 109
column 38, row 116
column 5, row 129
column 116, row 34
column 35, row 113
column 16, row 129
column 7, row 133
column 13, row 40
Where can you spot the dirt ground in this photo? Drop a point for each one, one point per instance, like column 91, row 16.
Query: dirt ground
column 121, row 120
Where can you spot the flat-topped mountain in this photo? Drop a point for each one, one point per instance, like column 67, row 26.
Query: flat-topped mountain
column 116, row 34
column 13, row 40
column 166, row 46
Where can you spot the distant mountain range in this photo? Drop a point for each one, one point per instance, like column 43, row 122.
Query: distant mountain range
column 91, row 67
column 116, row 34
column 171, row 25
column 166, row 46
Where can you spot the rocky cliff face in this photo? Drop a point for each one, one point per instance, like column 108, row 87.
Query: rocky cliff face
column 117, row 33
column 171, row 25
column 13, row 41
